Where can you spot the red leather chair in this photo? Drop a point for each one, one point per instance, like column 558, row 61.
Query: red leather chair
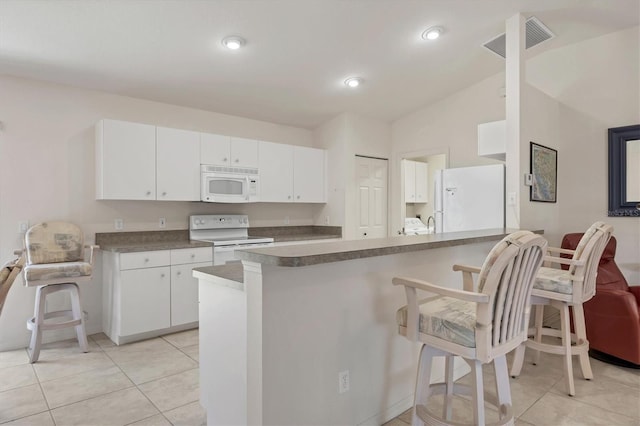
column 612, row 316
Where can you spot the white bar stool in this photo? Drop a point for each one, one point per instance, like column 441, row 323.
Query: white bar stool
column 481, row 324
column 55, row 262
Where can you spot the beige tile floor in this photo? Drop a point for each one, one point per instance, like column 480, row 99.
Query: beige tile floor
column 155, row 382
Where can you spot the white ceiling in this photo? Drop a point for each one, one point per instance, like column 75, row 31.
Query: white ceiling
column 298, row 52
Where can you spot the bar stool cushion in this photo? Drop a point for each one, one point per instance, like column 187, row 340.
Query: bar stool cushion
column 447, row 318
column 39, row 272
column 553, row 279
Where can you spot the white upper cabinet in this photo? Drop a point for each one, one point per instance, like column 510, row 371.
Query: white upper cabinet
column 492, row 139
column 276, row 172
column 291, row 173
column 421, row 182
column 177, row 165
column 220, row 150
column 415, row 181
column 409, row 181
column 244, row 152
column 215, row 149
column 308, row 175
column 125, row 161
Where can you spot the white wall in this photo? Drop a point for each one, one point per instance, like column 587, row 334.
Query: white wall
column 597, row 84
column 346, row 136
column 47, row 172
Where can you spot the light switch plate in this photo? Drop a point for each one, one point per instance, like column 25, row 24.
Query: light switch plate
column 528, row 179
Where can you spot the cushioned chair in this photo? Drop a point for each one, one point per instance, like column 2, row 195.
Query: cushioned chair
column 55, row 262
column 481, row 324
column 612, row 316
column 562, row 289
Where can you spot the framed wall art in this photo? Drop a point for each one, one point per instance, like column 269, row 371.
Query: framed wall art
column 544, row 170
column 624, row 171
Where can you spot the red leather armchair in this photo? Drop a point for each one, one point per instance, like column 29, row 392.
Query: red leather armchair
column 612, row 316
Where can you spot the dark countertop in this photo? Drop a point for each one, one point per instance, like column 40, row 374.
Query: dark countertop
column 137, row 241
column 313, row 254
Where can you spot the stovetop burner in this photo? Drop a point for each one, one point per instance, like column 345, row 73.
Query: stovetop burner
column 223, row 230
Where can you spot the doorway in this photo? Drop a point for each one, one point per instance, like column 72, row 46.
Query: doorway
column 372, row 206
column 418, row 171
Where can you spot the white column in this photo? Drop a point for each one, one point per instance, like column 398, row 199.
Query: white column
column 514, row 82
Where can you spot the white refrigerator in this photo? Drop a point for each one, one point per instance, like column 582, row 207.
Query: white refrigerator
column 469, row 198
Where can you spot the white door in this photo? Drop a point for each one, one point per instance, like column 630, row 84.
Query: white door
column 372, row 197
column 177, row 165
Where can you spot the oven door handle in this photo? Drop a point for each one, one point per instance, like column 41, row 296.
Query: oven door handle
column 221, row 249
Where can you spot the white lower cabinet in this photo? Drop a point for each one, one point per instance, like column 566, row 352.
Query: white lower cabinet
column 151, row 293
column 184, row 294
column 145, row 300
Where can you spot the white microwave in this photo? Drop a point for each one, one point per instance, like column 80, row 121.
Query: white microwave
column 229, row 184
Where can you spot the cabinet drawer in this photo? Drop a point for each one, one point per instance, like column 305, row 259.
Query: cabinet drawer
column 144, row 259
column 191, row 255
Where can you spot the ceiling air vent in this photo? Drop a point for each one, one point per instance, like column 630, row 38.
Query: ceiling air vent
column 536, row 33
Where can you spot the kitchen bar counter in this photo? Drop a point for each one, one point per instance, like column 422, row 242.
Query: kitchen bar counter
column 305, row 314
column 313, row 254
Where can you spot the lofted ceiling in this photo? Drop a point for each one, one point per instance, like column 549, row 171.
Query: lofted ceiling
column 298, row 52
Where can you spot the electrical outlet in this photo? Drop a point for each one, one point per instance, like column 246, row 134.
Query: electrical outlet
column 326, row 220
column 286, row 220
column 512, row 199
column 162, row 222
column 118, row 224
column 85, row 316
column 23, row 226
column 343, row 381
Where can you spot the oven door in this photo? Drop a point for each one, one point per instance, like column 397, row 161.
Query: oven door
column 225, row 254
column 223, row 188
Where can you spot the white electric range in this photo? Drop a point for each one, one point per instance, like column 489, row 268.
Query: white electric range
column 226, row 233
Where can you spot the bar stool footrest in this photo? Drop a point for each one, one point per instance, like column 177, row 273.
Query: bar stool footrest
column 31, row 323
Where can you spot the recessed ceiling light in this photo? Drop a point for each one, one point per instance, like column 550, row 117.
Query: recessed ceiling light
column 432, row 33
column 353, row 82
column 233, row 42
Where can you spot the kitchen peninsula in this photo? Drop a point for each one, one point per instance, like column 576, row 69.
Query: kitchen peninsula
column 307, row 334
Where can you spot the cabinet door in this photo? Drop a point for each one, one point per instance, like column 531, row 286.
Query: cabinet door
column 308, row 175
column 215, row 149
column 422, row 195
column 184, row 293
column 125, row 161
column 409, row 181
column 244, row 152
column 177, row 165
column 276, row 172
column 144, row 300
